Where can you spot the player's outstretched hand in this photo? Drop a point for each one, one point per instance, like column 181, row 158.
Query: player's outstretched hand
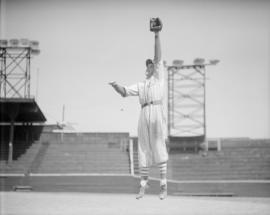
column 112, row 83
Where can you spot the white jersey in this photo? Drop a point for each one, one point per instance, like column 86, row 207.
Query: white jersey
column 152, row 121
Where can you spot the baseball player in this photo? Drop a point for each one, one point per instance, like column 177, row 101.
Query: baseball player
column 152, row 121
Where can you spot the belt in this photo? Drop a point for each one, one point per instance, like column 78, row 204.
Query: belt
column 158, row 102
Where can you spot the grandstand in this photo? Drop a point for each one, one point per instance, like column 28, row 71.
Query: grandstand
column 107, row 162
column 80, row 153
column 86, row 153
column 108, row 153
column 40, row 151
column 21, row 124
column 239, row 159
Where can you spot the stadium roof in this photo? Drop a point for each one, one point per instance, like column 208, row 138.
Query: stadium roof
column 21, row 110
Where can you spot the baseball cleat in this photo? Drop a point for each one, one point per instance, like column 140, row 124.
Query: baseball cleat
column 163, row 192
column 142, row 191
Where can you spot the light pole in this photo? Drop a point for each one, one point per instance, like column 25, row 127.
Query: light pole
column 187, row 98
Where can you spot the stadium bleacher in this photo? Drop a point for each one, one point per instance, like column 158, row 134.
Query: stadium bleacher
column 241, row 159
column 23, row 163
column 108, row 153
column 24, row 137
column 84, row 158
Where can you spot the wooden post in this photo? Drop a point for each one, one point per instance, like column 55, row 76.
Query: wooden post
column 218, row 144
column 13, row 112
column 131, row 156
column 10, row 144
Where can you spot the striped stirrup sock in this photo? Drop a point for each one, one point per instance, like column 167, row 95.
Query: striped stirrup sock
column 144, row 172
column 163, row 173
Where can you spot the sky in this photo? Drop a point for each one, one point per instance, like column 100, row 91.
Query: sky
column 86, row 44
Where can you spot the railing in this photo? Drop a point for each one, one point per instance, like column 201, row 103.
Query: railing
column 131, row 157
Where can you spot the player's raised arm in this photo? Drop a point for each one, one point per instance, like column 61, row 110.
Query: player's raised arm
column 157, row 56
column 156, row 26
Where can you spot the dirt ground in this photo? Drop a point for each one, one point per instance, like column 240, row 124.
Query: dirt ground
column 46, row 203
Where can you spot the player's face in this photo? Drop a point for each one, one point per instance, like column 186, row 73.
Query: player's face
column 149, row 70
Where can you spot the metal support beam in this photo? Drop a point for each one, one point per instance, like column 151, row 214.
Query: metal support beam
column 13, row 112
column 15, row 59
column 187, row 98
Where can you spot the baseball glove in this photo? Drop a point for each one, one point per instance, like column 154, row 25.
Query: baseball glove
column 155, row 24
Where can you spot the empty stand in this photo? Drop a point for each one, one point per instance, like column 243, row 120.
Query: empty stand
column 245, row 160
column 84, row 158
column 108, row 154
column 81, row 153
column 23, row 163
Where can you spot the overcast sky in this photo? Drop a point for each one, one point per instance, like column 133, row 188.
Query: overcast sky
column 86, row 44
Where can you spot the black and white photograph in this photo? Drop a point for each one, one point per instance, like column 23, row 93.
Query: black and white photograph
column 134, row 107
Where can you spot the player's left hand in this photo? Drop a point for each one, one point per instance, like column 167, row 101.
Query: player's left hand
column 156, row 24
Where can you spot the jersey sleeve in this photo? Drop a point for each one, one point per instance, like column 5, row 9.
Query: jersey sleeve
column 132, row 90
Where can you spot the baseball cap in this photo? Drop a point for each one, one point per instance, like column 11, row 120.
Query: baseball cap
column 149, row 61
